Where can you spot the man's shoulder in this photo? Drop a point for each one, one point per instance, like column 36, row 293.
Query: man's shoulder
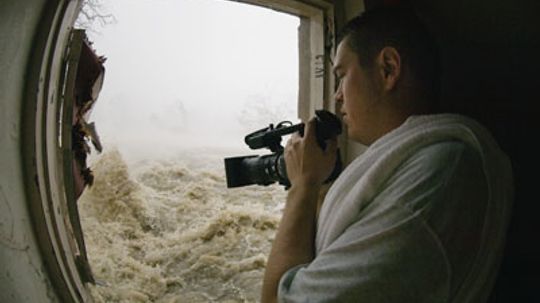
column 435, row 170
column 444, row 155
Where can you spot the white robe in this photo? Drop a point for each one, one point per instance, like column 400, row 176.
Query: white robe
column 421, row 216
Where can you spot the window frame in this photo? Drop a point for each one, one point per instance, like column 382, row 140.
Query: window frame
column 316, row 38
column 44, row 149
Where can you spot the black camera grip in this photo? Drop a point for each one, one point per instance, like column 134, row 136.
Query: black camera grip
column 328, row 126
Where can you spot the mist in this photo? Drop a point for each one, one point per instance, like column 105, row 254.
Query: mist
column 192, row 74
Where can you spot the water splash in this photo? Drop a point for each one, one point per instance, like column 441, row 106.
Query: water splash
column 170, row 230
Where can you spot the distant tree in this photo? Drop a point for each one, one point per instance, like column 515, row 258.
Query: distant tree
column 259, row 112
column 93, row 15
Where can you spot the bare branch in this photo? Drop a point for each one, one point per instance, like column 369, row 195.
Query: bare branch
column 93, row 15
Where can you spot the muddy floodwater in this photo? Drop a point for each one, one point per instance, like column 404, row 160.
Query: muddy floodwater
column 169, row 230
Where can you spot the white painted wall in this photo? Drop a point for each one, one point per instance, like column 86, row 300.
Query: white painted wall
column 22, row 275
column 353, row 8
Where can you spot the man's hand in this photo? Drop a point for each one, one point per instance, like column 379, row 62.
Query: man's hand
column 307, row 163
column 308, row 166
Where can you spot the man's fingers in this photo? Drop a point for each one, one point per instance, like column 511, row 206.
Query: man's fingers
column 309, row 129
column 331, row 146
column 294, row 139
column 292, row 143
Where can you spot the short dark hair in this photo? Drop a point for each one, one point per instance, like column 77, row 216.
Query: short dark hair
column 398, row 27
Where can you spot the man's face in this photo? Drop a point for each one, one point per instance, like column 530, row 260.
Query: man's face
column 357, row 94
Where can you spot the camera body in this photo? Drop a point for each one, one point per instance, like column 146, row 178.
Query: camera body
column 271, row 168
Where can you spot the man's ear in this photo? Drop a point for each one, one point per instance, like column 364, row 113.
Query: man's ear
column 389, row 63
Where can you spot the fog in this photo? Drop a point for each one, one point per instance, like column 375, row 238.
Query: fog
column 184, row 74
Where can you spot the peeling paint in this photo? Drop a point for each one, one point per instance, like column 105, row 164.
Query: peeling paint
column 14, row 131
column 10, row 43
column 40, row 272
column 8, row 236
column 6, row 220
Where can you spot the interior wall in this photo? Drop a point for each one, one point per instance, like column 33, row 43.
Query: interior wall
column 352, row 8
column 488, row 74
column 22, row 275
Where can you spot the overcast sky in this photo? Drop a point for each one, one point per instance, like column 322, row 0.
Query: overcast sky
column 196, row 72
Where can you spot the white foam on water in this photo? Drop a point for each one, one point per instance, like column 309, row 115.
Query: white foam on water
column 170, row 231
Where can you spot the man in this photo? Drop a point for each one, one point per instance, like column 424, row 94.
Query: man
column 421, row 215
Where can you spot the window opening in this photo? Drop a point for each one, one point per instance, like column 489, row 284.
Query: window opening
column 185, row 82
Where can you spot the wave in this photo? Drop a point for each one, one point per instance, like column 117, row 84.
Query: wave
column 170, row 230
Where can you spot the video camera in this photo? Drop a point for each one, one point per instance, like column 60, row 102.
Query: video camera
column 267, row 169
